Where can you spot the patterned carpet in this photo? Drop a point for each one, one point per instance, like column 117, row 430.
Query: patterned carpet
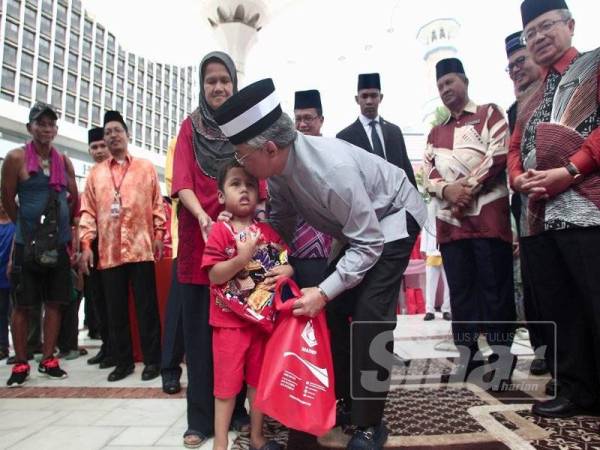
column 423, row 413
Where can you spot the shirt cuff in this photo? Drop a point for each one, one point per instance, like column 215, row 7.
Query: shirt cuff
column 333, row 285
column 584, row 163
column 438, row 189
column 85, row 245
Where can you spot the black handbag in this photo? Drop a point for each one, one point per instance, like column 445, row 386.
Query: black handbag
column 41, row 245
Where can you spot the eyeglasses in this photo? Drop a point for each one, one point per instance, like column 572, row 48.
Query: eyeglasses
column 519, row 62
column 306, row 119
column 117, row 130
column 543, row 28
column 240, row 159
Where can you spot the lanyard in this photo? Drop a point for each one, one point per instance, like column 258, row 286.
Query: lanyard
column 118, row 188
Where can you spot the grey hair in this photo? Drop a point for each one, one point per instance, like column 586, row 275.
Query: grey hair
column 565, row 14
column 282, row 133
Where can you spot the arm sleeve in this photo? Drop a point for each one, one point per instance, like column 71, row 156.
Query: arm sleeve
column 406, row 164
column 158, row 210
column 587, row 158
column 88, row 229
column 351, row 207
column 183, row 160
column 514, row 163
column 432, row 180
column 282, row 215
column 169, row 165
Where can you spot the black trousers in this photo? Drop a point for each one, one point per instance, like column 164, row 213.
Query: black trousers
column 172, row 341
column 480, row 278
column 564, row 267
column 94, row 294
column 360, row 379
column 116, row 282
column 308, row 272
column 197, row 336
column 539, row 334
column 69, row 327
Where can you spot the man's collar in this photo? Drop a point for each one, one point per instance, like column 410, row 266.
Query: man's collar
column 470, row 108
column 366, row 121
column 562, row 64
column 112, row 160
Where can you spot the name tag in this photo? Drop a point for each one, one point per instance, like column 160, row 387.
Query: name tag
column 570, row 84
column 473, row 122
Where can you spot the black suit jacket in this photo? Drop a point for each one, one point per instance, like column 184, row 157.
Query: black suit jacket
column 393, row 141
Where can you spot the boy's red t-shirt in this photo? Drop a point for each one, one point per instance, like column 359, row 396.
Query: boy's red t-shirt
column 221, row 247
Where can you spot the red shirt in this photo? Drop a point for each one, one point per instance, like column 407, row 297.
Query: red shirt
column 587, row 159
column 188, row 175
column 221, row 247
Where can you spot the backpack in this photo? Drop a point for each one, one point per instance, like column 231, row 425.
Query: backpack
column 41, row 244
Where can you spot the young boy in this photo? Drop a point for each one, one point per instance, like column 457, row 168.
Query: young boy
column 234, row 251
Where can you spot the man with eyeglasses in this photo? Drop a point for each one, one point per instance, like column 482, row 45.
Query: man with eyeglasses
column 123, row 208
column 310, row 247
column 525, row 75
column 554, row 161
column 371, row 132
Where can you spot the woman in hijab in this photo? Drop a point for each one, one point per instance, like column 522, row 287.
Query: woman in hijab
column 200, row 149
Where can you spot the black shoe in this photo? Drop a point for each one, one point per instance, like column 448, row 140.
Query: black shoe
column 557, row 407
column 551, row 387
column 51, row 369
column 150, row 372
column 96, row 359
column 107, row 362
column 343, row 413
column 429, row 316
column 93, row 334
column 240, row 424
column 18, row 375
column 539, row 367
column 500, row 384
column 171, row 386
column 371, row 438
column 121, row 372
column 447, row 316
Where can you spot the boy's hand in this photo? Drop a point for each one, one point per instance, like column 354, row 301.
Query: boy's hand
column 246, row 243
column 276, row 273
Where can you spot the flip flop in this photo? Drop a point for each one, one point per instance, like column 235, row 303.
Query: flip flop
column 193, row 439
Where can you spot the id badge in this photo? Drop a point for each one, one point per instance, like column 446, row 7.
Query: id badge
column 115, row 209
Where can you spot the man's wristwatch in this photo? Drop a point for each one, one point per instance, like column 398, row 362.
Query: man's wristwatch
column 323, row 294
column 573, row 171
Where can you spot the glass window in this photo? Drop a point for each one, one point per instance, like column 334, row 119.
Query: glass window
column 108, row 99
column 61, row 13
column 129, row 108
column 46, row 26
column 129, row 90
column 43, row 70
column 98, row 74
column 99, row 35
column 156, row 138
column 73, row 61
column 10, row 55
column 57, row 76
column 61, row 34
column 76, row 5
column 157, row 104
column 22, row 101
column 148, row 135
column 25, row 84
column 75, row 19
column 88, row 26
column 47, row 6
column 109, row 79
column 12, row 31
column 96, row 114
column 158, row 88
column 27, row 62
column 148, row 100
column 71, row 103
column 74, row 42
column 83, row 109
column 131, row 72
column 84, row 89
column 120, row 103
column 140, row 95
column 56, row 98
column 99, row 55
column 85, row 68
column 166, row 109
column 156, row 123
column 97, row 94
column 149, row 82
column 29, row 41
column 110, row 61
column 30, row 17
column 120, row 85
column 121, row 67
column 71, row 82
column 165, row 123
column 159, row 71
column 148, row 117
column 14, row 8
column 41, row 92
column 141, row 75
column 139, row 112
column 86, row 49
column 59, row 55
column 138, row 130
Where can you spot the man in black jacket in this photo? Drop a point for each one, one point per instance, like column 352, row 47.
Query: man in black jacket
column 372, row 132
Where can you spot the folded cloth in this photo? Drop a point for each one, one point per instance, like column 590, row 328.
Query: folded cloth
column 58, row 179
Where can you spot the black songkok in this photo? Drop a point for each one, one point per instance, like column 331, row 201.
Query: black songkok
column 369, row 81
column 448, row 65
column 530, row 9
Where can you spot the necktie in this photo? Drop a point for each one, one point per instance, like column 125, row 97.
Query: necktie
column 377, row 145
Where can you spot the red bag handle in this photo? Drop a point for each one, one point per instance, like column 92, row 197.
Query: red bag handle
column 286, row 290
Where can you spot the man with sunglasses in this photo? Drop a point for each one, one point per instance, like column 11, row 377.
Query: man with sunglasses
column 371, row 132
column 553, row 161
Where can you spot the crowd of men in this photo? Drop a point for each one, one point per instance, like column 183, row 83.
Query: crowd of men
column 351, row 214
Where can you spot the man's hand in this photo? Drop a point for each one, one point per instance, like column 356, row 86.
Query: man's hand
column 523, row 182
column 224, row 216
column 275, row 274
column 205, row 223
column 552, row 181
column 310, row 304
column 86, row 261
column 158, row 249
column 246, row 245
column 458, row 194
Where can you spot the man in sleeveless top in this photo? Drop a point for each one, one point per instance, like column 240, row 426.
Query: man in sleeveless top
column 30, row 173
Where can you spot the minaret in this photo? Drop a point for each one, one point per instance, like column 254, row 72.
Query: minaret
column 438, row 38
column 236, row 24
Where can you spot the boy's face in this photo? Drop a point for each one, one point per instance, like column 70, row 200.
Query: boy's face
column 240, row 193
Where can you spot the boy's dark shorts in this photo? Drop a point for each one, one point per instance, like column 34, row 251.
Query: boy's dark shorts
column 30, row 287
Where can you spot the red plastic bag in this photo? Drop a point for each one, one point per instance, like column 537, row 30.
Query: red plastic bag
column 296, row 385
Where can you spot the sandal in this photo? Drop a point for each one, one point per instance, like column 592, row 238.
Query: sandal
column 270, row 445
column 240, row 424
column 193, row 439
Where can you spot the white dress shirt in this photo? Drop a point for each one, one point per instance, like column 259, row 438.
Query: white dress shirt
column 365, row 122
